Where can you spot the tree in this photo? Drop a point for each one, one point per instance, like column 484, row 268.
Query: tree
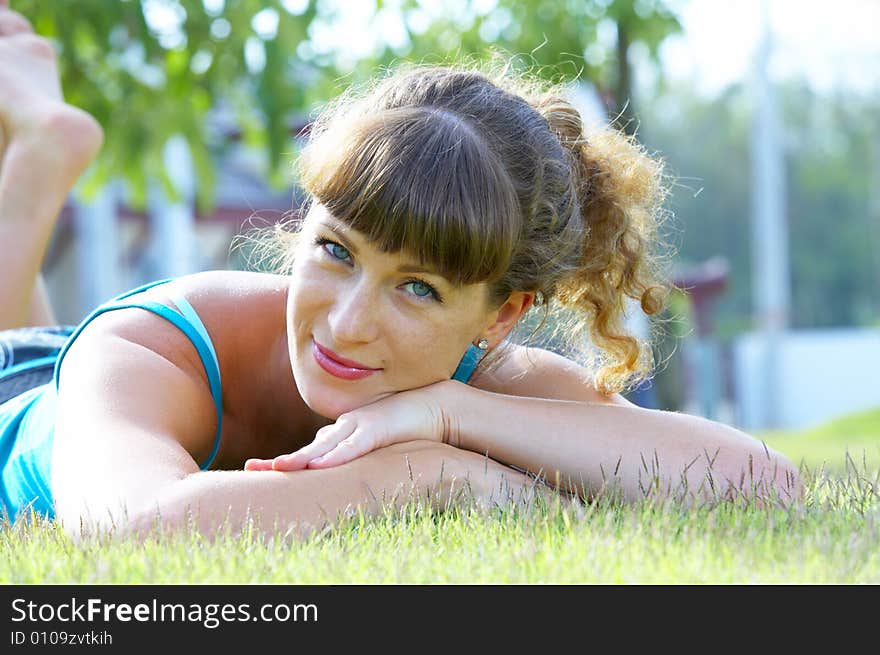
column 832, row 232
column 588, row 39
column 151, row 69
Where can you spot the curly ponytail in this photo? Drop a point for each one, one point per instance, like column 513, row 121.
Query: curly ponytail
column 620, row 192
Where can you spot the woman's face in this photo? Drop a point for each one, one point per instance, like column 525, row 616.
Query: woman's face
column 395, row 325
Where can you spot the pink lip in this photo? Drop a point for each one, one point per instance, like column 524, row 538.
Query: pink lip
column 340, row 367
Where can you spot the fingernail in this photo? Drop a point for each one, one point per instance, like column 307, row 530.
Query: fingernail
column 318, row 460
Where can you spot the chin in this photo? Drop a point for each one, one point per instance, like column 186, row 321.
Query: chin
column 330, row 405
column 323, row 399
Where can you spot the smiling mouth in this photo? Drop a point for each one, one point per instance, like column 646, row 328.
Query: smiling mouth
column 339, row 367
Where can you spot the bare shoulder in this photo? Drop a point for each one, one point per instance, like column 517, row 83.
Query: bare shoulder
column 224, row 287
column 137, row 365
column 540, row 373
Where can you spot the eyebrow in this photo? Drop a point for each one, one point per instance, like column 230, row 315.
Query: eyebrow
column 404, row 268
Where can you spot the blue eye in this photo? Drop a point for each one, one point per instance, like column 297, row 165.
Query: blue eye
column 340, row 252
column 420, row 288
column 335, row 250
column 423, row 290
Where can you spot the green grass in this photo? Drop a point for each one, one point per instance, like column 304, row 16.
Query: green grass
column 854, row 437
column 832, row 537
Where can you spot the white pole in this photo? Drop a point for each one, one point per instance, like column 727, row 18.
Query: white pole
column 98, row 237
column 173, row 221
column 770, row 268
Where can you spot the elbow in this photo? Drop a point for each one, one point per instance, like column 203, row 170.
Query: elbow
column 779, row 479
column 765, row 479
column 81, row 525
column 751, row 471
column 788, row 486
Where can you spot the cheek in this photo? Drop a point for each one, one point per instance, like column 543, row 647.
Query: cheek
column 427, row 354
column 305, row 296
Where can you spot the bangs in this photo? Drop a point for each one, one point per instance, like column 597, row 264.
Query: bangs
column 421, row 181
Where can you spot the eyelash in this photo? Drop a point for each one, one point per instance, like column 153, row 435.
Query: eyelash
column 322, row 242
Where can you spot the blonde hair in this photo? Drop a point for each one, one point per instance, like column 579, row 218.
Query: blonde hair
column 492, row 176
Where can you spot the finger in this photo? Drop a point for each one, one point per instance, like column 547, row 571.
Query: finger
column 299, row 459
column 258, row 465
column 290, row 462
column 352, row 448
column 326, row 439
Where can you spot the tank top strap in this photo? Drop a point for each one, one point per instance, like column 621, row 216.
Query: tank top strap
column 190, row 315
column 188, row 322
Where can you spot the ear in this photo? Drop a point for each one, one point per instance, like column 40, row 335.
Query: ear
column 505, row 317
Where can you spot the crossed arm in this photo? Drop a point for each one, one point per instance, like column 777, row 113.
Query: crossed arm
column 129, row 420
column 295, row 503
column 537, row 412
column 132, row 464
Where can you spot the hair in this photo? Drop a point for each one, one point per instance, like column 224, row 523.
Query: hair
column 489, row 175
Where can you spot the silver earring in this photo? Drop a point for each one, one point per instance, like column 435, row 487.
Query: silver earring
column 483, row 344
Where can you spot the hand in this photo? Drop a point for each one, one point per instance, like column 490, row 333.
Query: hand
column 404, row 416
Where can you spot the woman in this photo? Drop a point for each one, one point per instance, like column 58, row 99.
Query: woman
column 445, row 206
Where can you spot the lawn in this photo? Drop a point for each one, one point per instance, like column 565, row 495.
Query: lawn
column 833, row 537
column 835, row 445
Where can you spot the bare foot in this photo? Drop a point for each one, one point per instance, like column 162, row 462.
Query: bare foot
column 32, row 108
column 45, row 145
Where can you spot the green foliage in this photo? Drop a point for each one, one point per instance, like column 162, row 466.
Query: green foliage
column 575, row 39
column 150, row 69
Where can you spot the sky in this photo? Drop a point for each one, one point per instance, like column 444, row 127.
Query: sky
column 833, row 45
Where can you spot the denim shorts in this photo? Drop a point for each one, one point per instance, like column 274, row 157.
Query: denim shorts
column 27, row 357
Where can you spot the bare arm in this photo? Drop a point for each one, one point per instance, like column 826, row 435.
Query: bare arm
column 543, row 416
column 302, row 501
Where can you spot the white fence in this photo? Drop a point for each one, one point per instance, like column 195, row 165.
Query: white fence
column 822, row 373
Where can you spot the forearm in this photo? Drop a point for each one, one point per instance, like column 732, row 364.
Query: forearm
column 586, row 448
column 300, row 502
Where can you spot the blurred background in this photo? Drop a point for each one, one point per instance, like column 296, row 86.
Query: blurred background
column 766, row 113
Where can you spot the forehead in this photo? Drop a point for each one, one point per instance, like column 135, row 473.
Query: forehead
column 318, row 215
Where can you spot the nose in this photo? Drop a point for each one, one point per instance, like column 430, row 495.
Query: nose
column 354, row 318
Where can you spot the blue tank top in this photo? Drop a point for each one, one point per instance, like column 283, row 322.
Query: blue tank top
column 27, row 421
